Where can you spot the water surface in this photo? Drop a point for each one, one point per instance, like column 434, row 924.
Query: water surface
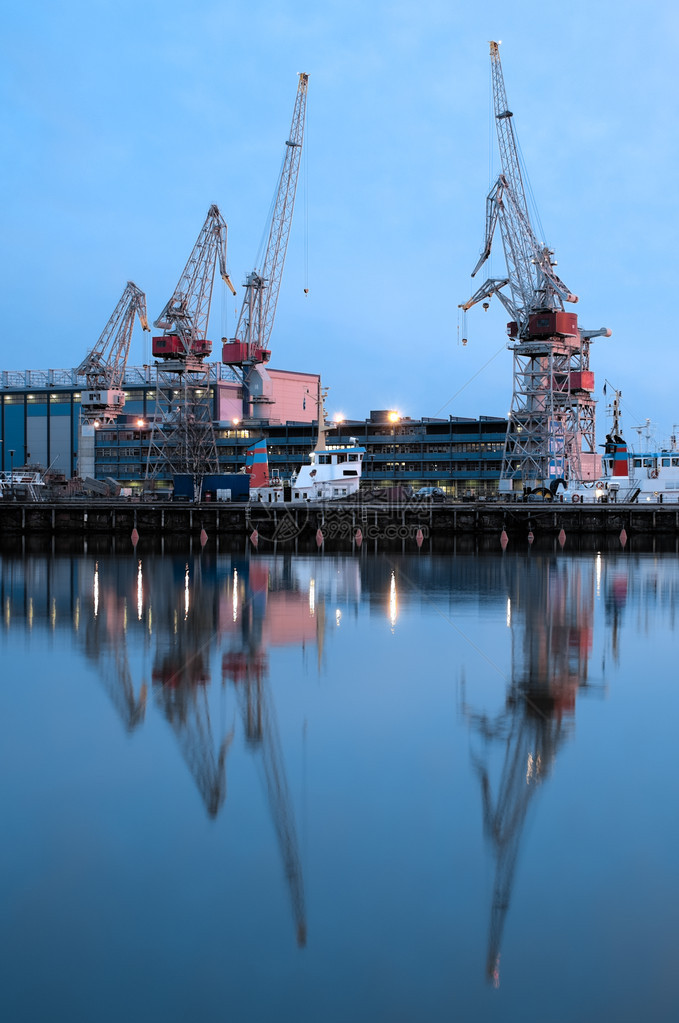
column 339, row 788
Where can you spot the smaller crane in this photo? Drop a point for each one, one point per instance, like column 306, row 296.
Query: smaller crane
column 104, row 366
column 184, row 319
column 182, row 437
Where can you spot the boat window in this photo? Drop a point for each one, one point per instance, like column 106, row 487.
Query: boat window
column 665, row 462
column 341, row 458
column 353, row 458
column 648, row 462
column 637, row 463
column 350, row 472
column 675, row 462
column 324, row 459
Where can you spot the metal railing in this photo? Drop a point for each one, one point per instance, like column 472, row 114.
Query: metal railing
column 135, row 376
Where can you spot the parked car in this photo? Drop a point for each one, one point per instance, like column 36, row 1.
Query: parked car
column 430, row 494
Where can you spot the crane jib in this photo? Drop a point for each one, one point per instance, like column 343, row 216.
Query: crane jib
column 249, row 347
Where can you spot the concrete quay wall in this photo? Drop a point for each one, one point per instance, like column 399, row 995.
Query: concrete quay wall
column 337, row 521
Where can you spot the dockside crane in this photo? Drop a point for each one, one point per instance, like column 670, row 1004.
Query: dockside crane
column 182, row 439
column 184, row 319
column 551, row 429
column 249, row 349
column 103, row 396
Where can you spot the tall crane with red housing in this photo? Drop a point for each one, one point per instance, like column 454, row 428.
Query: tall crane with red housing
column 249, row 349
column 182, row 437
column 551, row 429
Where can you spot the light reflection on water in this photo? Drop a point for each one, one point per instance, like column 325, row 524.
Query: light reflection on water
column 408, row 804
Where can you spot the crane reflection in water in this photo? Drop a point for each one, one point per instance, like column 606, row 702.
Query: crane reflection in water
column 252, row 609
column 185, row 612
column 550, row 613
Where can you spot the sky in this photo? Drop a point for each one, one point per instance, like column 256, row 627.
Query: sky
column 122, row 122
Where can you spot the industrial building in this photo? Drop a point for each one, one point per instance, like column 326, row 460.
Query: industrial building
column 40, row 424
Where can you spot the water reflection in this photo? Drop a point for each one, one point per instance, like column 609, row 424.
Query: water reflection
column 550, row 611
column 203, row 637
column 103, row 635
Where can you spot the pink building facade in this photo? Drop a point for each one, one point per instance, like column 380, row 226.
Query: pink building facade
column 294, row 398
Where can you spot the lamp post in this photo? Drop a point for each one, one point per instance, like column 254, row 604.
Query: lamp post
column 11, row 471
column 394, row 418
column 141, row 424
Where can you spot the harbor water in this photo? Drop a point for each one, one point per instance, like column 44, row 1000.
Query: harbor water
column 366, row 787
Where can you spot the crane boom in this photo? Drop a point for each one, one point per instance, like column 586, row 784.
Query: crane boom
column 250, row 345
column 185, row 317
column 104, row 365
column 509, row 153
column 533, row 284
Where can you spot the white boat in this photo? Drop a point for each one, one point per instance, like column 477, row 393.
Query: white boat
column 648, row 476
column 332, row 473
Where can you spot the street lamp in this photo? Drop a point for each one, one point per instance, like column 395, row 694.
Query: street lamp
column 11, row 471
column 141, row 423
column 393, row 418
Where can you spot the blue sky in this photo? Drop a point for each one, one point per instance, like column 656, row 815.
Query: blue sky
column 123, row 121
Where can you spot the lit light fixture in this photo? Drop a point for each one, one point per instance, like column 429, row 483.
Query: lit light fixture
column 394, row 417
column 338, row 418
column 393, row 601
column 140, row 422
column 95, row 424
column 140, row 592
column 235, row 422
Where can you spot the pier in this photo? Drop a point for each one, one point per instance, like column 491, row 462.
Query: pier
column 336, row 522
